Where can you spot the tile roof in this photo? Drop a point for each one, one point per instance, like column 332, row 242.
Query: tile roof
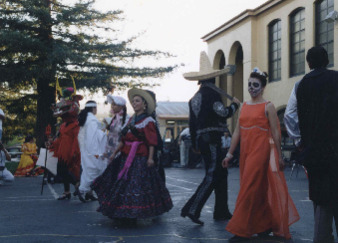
column 172, row 109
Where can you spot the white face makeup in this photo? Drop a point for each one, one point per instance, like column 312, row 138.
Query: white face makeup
column 254, row 87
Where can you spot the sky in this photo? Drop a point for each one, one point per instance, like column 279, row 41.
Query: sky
column 174, row 26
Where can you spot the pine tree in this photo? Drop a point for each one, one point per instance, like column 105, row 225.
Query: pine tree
column 20, row 111
column 44, row 39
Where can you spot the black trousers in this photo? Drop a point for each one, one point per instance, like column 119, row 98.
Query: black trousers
column 67, row 177
column 215, row 179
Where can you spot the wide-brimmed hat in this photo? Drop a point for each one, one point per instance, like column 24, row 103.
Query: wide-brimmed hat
column 206, row 71
column 145, row 95
column 118, row 100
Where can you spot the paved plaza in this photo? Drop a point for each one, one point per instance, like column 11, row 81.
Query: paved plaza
column 27, row 216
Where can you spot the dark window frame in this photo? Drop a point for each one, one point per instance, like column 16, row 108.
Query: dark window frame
column 323, row 29
column 275, row 28
column 297, row 57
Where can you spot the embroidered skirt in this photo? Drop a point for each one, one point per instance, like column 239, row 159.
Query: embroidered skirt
column 141, row 195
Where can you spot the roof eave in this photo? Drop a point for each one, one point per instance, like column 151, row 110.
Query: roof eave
column 173, row 116
column 241, row 17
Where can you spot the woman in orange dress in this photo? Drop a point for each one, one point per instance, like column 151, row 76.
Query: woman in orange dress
column 263, row 204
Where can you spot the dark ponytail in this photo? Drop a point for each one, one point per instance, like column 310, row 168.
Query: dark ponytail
column 124, row 117
column 83, row 114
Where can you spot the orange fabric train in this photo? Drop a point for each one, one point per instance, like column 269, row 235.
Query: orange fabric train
column 263, row 201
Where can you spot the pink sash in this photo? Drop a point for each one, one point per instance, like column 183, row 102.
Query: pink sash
column 124, row 172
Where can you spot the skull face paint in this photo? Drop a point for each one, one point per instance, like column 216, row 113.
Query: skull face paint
column 254, row 87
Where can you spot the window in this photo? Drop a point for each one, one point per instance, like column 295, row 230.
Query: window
column 324, row 30
column 297, row 43
column 275, row 50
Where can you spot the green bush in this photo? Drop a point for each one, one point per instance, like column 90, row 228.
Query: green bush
column 11, row 166
column 15, row 141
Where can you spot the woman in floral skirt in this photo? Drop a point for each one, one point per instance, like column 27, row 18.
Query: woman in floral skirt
column 131, row 187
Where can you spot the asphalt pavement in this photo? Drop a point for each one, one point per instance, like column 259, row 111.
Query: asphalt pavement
column 28, row 216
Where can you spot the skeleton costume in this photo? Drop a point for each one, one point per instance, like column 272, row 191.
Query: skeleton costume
column 207, row 123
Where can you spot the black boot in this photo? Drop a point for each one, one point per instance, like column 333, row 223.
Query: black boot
column 237, row 238
column 265, row 233
column 80, row 195
column 225, row 216
column 193, row 218
column 90, row 196
column 65, row 196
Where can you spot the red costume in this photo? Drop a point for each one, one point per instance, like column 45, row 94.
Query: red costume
column 66, row 146
column 146, row 127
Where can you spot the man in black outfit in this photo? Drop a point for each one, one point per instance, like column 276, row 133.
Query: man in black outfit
column 317, row 105
column 207, row 123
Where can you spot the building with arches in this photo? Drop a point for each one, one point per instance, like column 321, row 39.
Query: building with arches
column 274, row 37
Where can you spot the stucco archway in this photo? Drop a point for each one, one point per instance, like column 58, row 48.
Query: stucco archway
column 236, row 58
column 219, row 63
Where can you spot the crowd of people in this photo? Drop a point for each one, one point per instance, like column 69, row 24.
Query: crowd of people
column 118, row 160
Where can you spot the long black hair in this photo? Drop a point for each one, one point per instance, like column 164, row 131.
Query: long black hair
column 124, row 117
column 83, row 114
column 28, row 138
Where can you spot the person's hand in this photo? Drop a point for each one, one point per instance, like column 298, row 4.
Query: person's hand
column 281, row 163
column 47, row 144
column 236, row 101
column 112, row 157
column 150, row 162
column 225, row 162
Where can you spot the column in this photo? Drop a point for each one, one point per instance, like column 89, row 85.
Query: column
column 230, row 89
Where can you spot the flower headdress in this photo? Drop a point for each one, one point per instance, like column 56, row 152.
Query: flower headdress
column 256, row 70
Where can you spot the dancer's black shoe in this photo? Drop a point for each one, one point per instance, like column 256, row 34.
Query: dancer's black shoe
column 193, row 218
column 222, row 217
column 91, row 197
column 65, row 196
column 237, row 238
column 265, row 233
column 80, row 195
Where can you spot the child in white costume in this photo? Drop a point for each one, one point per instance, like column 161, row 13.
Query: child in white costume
column 92, row 141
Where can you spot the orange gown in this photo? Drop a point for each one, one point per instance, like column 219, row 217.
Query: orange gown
column 27, row 163
column 263, row 201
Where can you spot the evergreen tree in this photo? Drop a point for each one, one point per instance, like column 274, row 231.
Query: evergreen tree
column 20, row 112
column 44, row 39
